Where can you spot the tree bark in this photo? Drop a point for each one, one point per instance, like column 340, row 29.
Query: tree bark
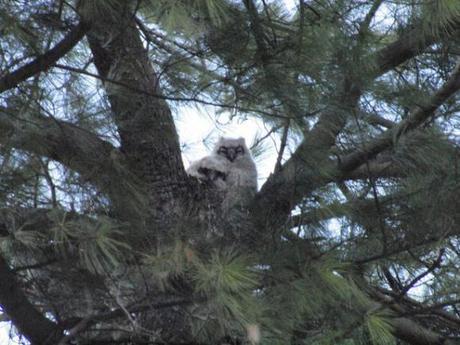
column 145, row 124
column 30, row 322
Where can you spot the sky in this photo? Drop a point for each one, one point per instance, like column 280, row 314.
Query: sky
column 198, row 131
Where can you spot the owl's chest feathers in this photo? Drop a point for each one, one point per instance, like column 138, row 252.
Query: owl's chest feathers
column 242, row 174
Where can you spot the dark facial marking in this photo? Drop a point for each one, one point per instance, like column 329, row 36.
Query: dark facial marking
column 231, row 152
column 222, row 150
column 239, row 150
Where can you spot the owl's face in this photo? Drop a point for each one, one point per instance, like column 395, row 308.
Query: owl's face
column 231, row 152
column 231, row 149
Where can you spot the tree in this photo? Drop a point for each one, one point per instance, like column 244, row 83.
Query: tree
column 352, row 239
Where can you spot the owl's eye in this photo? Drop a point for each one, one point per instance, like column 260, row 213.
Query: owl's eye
column 239, row 149
column 222, row 150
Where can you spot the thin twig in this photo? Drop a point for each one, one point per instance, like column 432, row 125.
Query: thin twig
column 282, row 146
column 181, row 99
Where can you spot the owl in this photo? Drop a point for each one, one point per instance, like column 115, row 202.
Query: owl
column 231, row 169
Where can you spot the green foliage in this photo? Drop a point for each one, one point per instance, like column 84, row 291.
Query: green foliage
column 259, row 148
column 63, row 231
column 226, row 280
column 224, row 273
column 380, row 328
column 102, row 251
column 169, row 262
column 97, row 242
column 22, row 240
column 302, row 69
column 422, row 151
column 324, row 293
column 429, row 194
column 440, row 15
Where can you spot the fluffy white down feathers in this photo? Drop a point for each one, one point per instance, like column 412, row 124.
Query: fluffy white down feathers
column 230, row 168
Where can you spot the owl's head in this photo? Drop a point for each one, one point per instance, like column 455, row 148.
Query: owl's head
column 231, row 149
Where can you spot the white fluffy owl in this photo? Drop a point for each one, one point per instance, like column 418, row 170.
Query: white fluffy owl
column 231, row 169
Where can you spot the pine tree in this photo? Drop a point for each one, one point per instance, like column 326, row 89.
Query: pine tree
column 353, row 239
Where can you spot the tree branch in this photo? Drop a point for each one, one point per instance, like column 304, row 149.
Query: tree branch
column 419, row 115
column 408, row 330
column 436, row 264
column 148, row 135
column 78, row 325
column 282, row 191
column 376, row 120
column 43, row 62
column 337, row 210
column 308, row 168
column 375, row 169
column 257, row 30
column 411, row 43
column 364, row 26
column 29, row 321
column 96, row 160
column 283, row 144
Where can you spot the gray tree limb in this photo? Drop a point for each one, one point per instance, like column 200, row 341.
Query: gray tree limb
column 44, row 61
column 96, row 160
column 409, row 330
column 411, row 43
column 30, row 322
column 415, row 119
column 148, row 135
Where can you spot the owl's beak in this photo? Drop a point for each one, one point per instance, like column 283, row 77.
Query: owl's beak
column 231, row 155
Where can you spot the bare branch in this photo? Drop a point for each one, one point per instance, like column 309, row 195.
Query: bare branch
column 369, row 16
column 43, row 62
column 78, row 325
column 282, row 146
column 376, row 120
column 431, row 268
